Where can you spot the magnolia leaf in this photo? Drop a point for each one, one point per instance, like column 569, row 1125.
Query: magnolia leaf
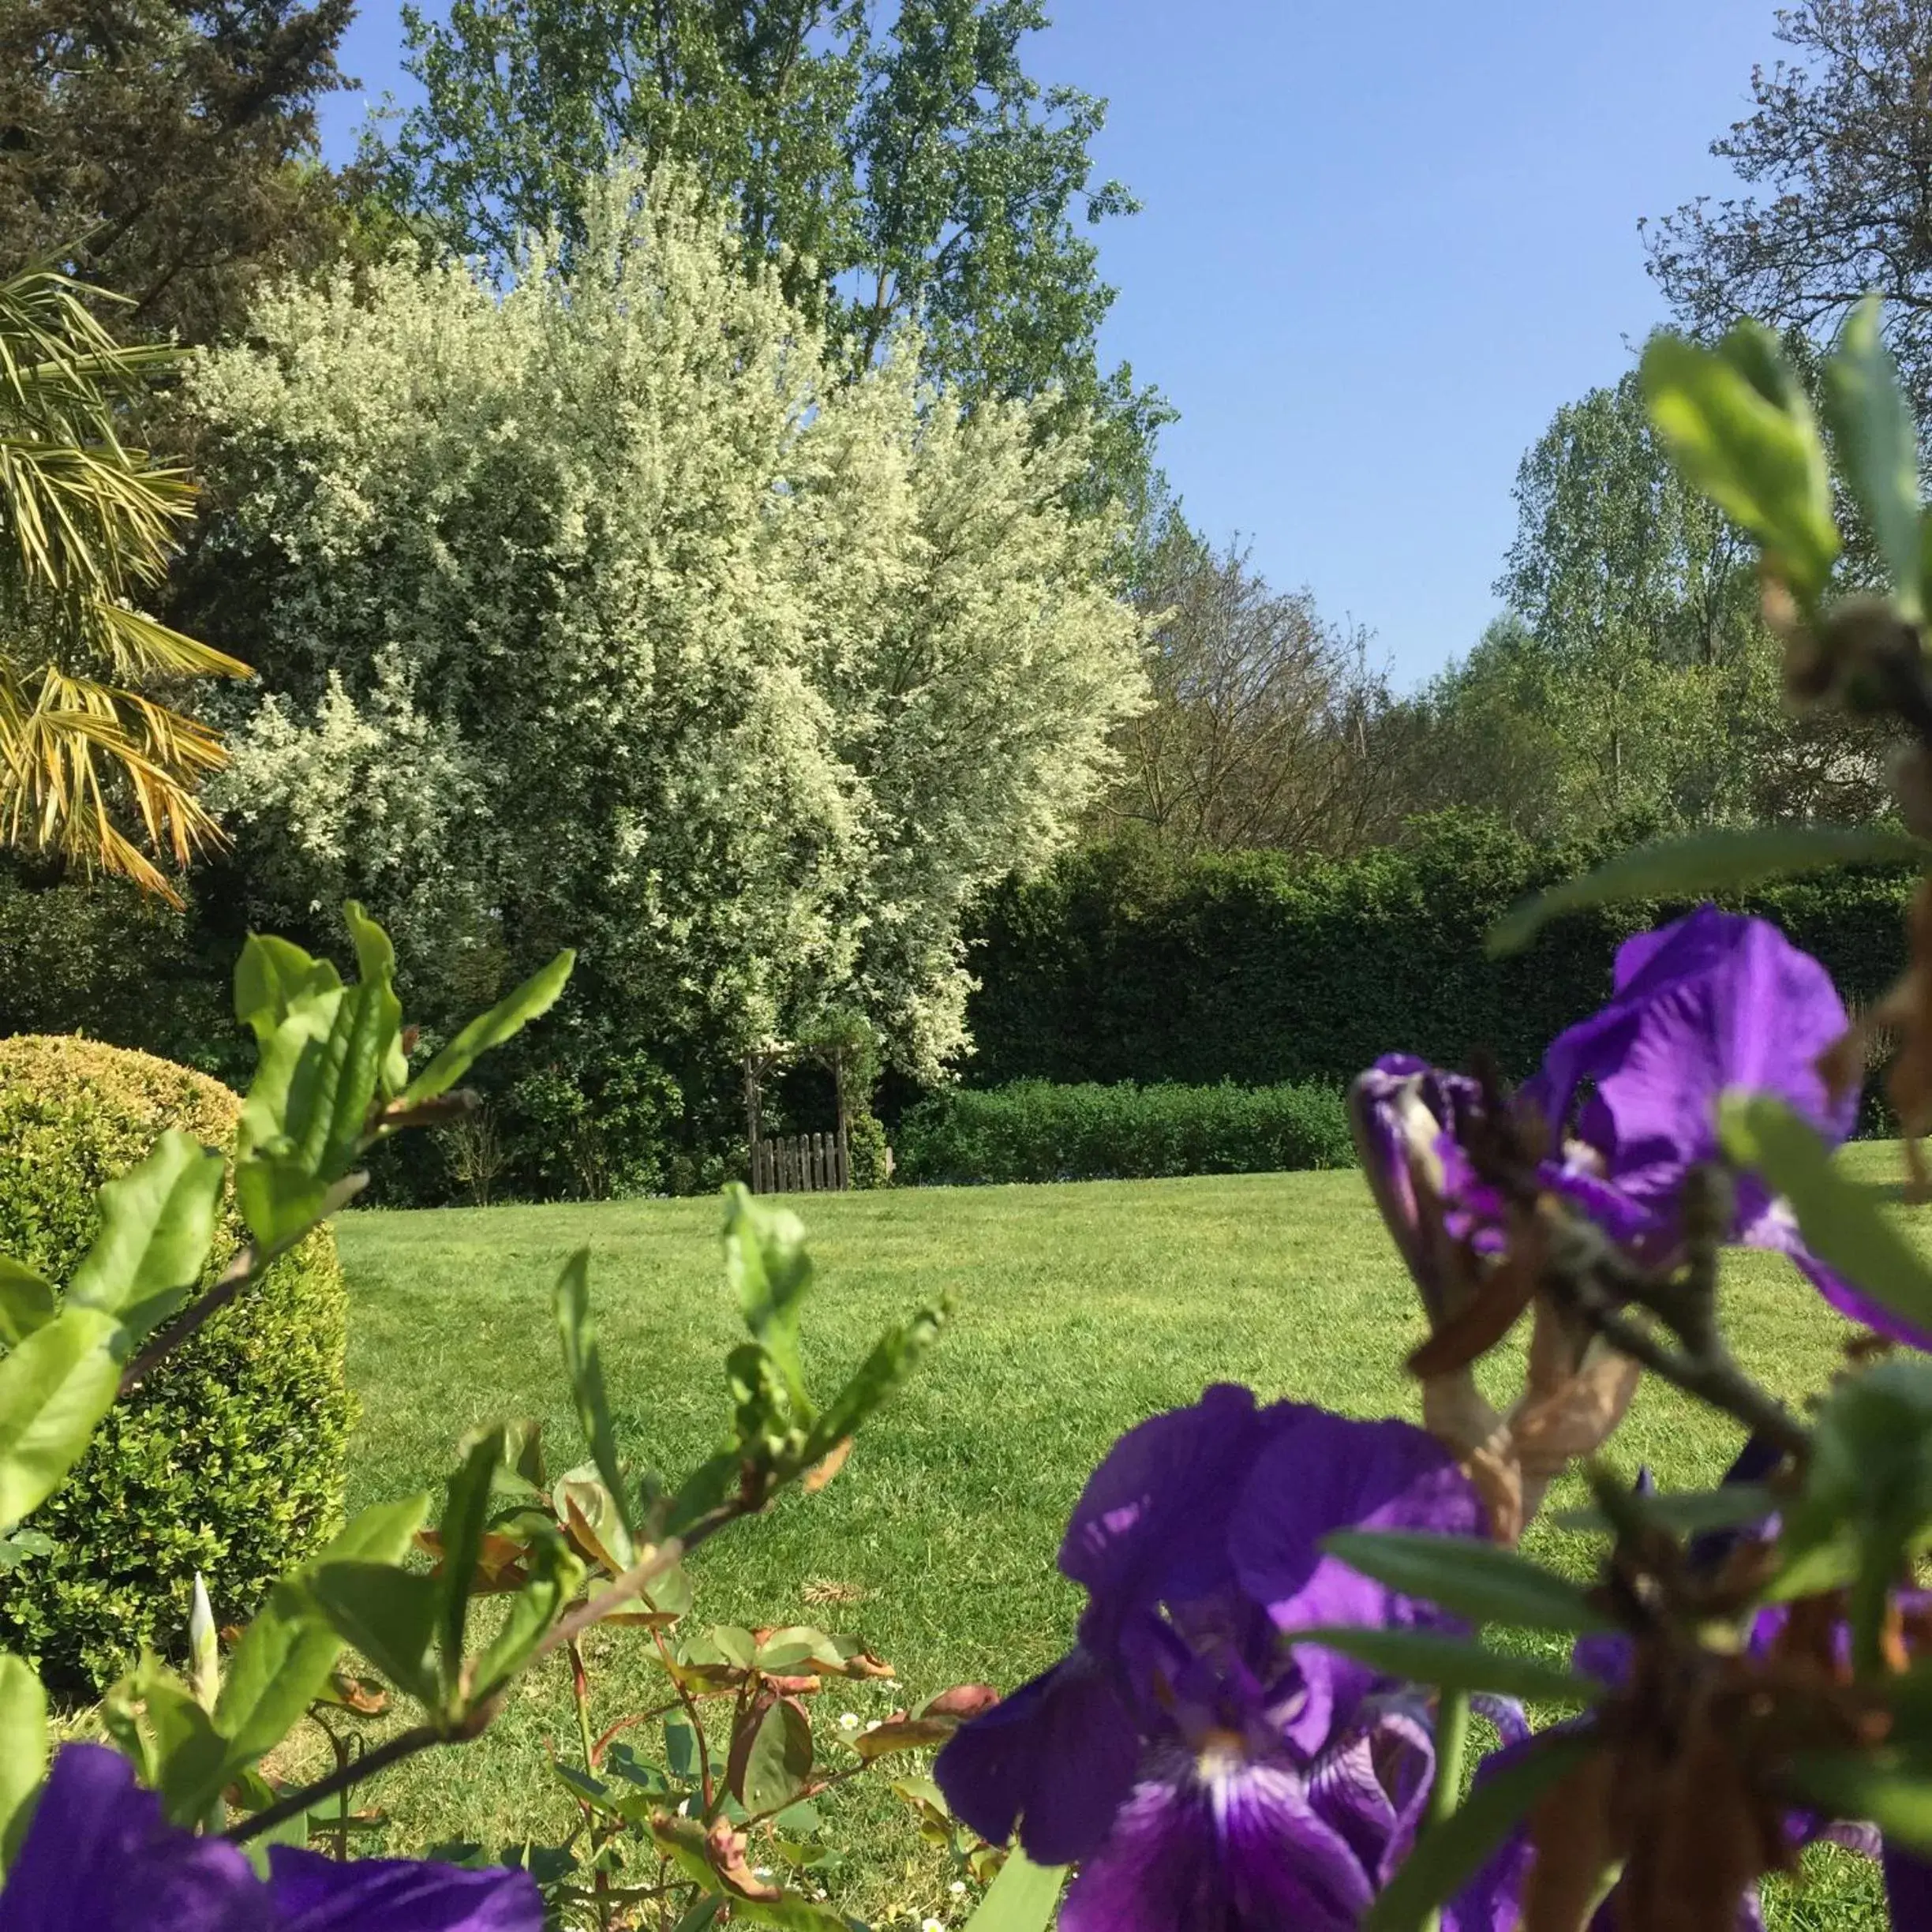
column 27, row 1301
column 508, row 1017
column 877, row 1380
column 1891, row 1787
column 1421, row 1656
column 1742, row 432
column 466, row 1514
column 54, row 1388
column 1450, row 1851
column 1724, row 860
column 583, row 1362
column 1476, row 1580
column 778, row 1759
column 1843, row 1225
column 269, row 976
column 1688, row 1512
column 23, row 1751
column 768, row 1268
column 157, row 1225
column 389, row 1615
column 1021, row 1899
column 1878, row 442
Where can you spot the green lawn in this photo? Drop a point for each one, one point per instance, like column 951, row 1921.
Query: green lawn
column 1081, row 1308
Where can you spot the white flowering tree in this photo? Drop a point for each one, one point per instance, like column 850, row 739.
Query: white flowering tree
column 597, row 609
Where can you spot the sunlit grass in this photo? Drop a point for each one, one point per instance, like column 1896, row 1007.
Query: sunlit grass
column 1081, row 1309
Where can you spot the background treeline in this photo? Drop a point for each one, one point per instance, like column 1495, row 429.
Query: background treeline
column 672, row 502
column 1124, row 963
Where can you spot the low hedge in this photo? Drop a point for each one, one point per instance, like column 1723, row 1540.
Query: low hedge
column 228, row 1459
column 1034, row 1130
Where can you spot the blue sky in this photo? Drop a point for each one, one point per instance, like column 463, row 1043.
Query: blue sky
column 1382, row 241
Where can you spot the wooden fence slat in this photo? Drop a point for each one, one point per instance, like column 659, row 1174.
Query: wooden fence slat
column 813, row 1163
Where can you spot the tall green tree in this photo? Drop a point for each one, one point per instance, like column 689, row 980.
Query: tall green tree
column 1631, row 677
column 165, row 149
column 1835, row 151
column 915, row 175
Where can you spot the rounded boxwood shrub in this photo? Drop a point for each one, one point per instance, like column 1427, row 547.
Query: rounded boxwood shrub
column 228, row 1459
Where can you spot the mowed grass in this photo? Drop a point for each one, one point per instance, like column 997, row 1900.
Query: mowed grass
column 1080, row 1309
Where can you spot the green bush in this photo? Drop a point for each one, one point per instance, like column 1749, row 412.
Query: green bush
column 228, row 1459
column 1033, row 1130
column 866, row 1150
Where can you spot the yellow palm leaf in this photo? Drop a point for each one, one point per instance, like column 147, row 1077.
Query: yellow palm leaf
column 92, row 765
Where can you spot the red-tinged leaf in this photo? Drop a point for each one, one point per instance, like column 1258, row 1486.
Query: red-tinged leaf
column 725, row 1850
column 962, row 1703
column 900, row 1734
column 822, row 1472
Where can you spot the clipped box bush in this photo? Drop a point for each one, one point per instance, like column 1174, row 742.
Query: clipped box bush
column 228, row 1459
column 1034, row 1130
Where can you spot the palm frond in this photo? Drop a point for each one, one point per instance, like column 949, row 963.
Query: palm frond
column 89, row 757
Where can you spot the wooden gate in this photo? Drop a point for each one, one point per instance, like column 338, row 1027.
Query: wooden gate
column 803, row 1164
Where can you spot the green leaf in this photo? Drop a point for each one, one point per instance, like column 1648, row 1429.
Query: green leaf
column 1891, row 1788
column 1687, row 1512
column 389, row 1615
column 466, row 1514
column 27, row 1301
column 186, row 1749
column 1474, row 1579
column 877, row 1379
column 280, row 1200
column 508, row 1017
column 681, row 1756
column 270, row 976
column 1723, row 860
column 1423, row 1657
column 1878, row 440
column 1843, row 1225
column 704, row 1490
column 293, row 1081
column 583, row 1362
column 768, row 1268
column 284, row 1656
column 277, row 1672
column 555, row 1576
column 376, row 966
column 157, row 1225
column 786, row 1650
column 779, row 1760
column 1866, row 1502
column 54, row 1388
column 790, row 1913
column 23, row 1751
column 1741, row 430
column 1021, row 1899
column 1449, row 1855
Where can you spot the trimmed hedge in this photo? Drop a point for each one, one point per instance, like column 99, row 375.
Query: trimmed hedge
column 1120, row 964
column 1033, row 1130
column 230, row 1459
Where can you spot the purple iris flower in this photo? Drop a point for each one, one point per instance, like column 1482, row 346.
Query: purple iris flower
column 1628, row 1097
column 1200, row 1765
column 99, row 1857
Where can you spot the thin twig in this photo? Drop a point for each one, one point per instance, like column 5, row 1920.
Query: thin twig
column 479, row 1717
column 239, row 1272
column 404, row 1744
